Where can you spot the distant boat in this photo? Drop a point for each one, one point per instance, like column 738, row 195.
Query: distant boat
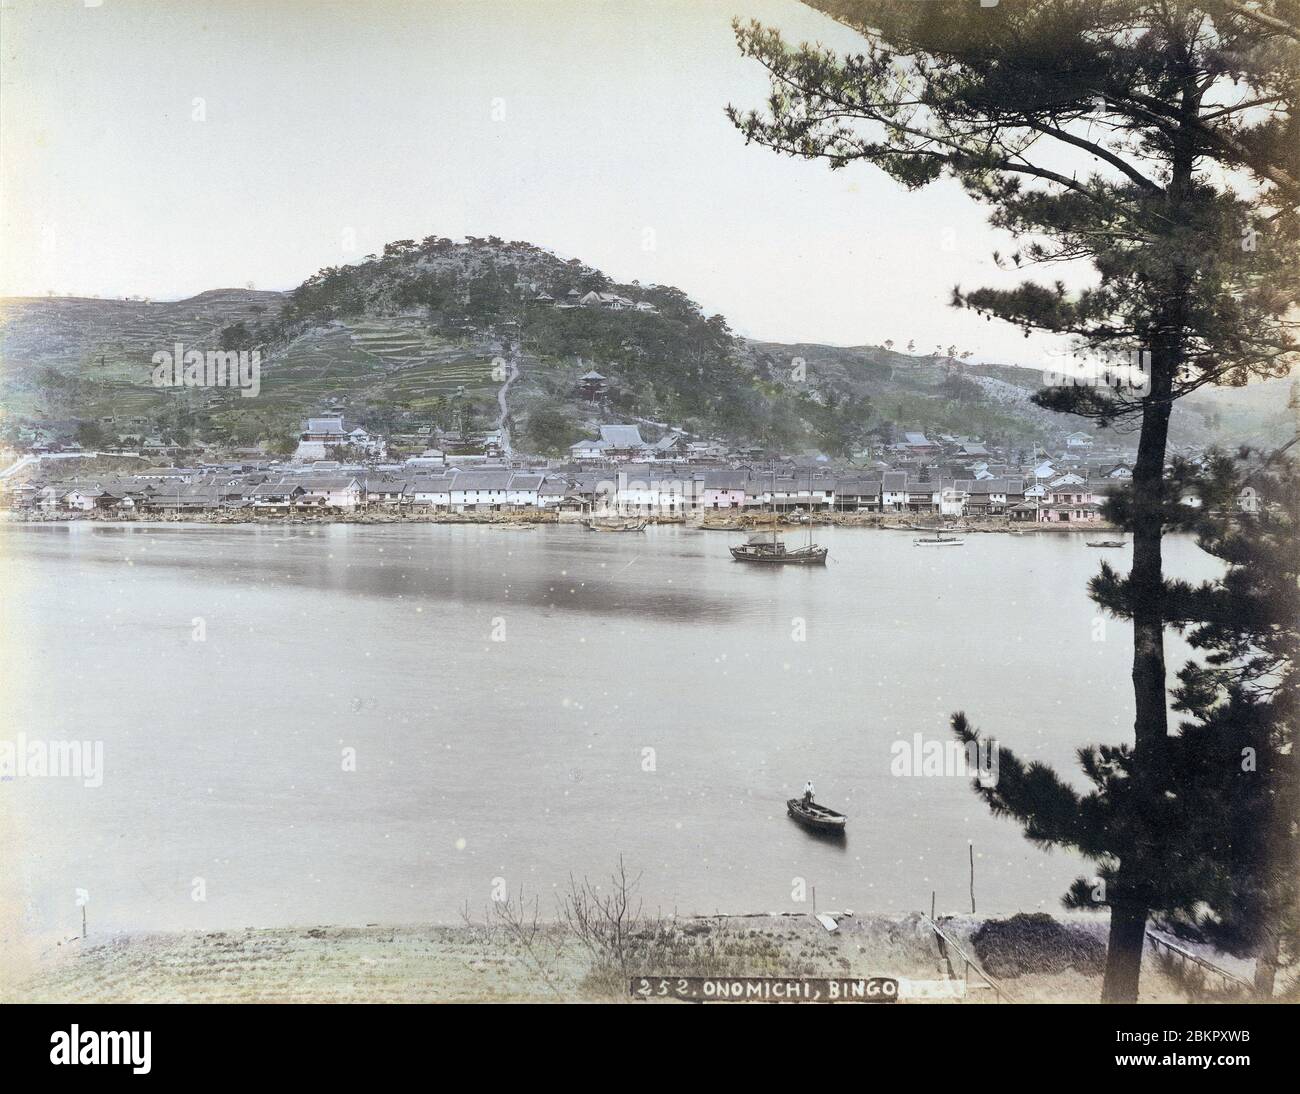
column 1107, row 543
column 773, row 550
column 616, row 524
column 770, row 549
column 937, row 540
column 817, row 817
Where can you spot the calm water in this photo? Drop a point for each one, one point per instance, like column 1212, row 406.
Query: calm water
column 524, row 758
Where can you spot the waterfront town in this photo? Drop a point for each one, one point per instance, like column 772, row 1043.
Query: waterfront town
column 320, row 685
column 672, row 478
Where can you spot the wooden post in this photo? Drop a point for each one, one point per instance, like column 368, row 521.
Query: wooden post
column 971, row 845
column 83, row 921
column 932, row 904
column 814, row 889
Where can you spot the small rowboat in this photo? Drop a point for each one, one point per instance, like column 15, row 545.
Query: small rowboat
column 1107, row 543
column 614, row 524
column 817, row 817
column 937, row 541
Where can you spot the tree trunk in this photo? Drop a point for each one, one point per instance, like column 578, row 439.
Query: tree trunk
column 1128, row 905
column 1140, row 864
column 1266, row 962
column 1128, row 931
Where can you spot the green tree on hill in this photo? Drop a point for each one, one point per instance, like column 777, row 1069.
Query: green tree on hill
column 960, row 389
column 549, row 431
column 91, row 435
column 236, row 336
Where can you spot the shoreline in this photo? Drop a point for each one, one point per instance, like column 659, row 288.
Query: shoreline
column 1036, row 958
column 524, row 518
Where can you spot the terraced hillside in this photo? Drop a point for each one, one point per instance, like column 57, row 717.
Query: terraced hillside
column 422, row 364
column 115, row 339
column 64, row 358
column 81, row 356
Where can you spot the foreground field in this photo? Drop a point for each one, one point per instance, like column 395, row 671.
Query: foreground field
column 1039, row 960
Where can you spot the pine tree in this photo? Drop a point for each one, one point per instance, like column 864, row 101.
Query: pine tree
column 1155, row 141
column 1216, row 852
column 1241, row 745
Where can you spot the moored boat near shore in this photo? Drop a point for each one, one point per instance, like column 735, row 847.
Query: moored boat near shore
column 616, row 524
column 937, row 539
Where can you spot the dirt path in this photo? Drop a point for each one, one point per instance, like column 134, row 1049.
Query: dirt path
column 506, row 447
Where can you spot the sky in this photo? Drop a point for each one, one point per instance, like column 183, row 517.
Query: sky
column 163, row 148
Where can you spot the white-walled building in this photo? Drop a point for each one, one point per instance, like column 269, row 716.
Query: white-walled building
column 433, row 491
column 333, row 491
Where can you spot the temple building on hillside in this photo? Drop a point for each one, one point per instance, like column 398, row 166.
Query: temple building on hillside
column 591, row 386
column 320, row 435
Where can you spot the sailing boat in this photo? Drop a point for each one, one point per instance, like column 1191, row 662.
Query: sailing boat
column 773, row 551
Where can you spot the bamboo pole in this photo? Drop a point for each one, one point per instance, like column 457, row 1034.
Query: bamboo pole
column 969, row 961
column 1187, row 955
column 971, row 845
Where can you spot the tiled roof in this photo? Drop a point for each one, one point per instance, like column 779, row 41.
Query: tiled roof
column 622, row 436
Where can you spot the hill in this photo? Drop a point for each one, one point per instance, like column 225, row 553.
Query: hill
column 409, row 337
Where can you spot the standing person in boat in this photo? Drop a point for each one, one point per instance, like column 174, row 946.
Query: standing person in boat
column 808, row 792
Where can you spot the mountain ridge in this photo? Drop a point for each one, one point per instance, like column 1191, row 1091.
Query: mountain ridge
column 409, row 336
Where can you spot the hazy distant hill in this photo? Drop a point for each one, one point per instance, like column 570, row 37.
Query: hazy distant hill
column 70, row 357
column 408, row 338
column 1264, row 413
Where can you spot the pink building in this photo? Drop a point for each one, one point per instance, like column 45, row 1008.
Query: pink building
column 723, row 490
column 1073, row 504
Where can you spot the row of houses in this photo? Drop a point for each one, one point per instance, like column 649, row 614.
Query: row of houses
column 948, row 455
column 606, row 301
column 646, row 489
column 464, row 491
column 918, row 443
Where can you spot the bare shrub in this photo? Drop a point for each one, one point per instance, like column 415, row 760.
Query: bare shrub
column 516, row 924
column 608, row 923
